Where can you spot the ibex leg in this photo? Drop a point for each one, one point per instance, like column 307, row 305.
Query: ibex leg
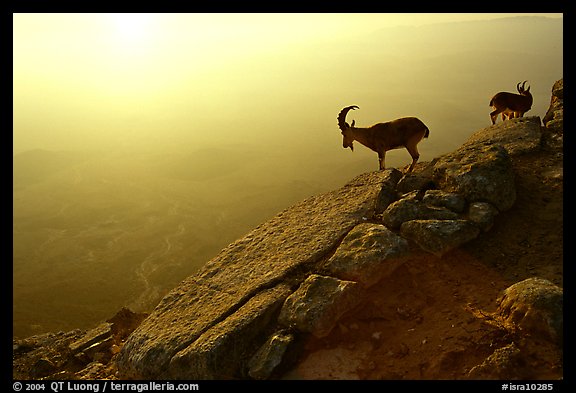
column 381, row 158
column 494, row 115
column 413, row 150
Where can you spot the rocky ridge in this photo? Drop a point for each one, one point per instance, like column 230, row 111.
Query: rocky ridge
column 308, row 277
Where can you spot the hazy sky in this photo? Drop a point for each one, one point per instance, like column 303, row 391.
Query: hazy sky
column 88, row 79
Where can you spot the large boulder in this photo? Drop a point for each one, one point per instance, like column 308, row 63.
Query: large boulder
column 439, row 236
column 412, row 208
column 368, row 253
column 518, row 136
column 480, row 174
column 481, row 169
column 317, row 305
column 449, row 200
column 535, row 306
column 217, row 352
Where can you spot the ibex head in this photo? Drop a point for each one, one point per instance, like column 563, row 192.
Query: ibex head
column 348, row 137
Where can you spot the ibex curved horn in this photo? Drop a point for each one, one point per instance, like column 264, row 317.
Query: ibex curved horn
column 342, row 117
column 523, row 87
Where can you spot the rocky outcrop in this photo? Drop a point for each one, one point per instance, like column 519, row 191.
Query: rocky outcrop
column 265, row 264
column 77, row 354
column 248, row 311
column 554, row 118
column 298, row 273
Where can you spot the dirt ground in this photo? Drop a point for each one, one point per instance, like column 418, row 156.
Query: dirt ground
column 432, row 319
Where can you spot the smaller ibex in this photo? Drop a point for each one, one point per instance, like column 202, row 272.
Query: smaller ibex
column 405, row 132
column 511, row 105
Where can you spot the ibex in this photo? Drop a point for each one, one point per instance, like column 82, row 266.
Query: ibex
column 511, row 105
column 405, row 132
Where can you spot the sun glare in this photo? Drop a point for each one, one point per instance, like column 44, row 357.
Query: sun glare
column 132, row 29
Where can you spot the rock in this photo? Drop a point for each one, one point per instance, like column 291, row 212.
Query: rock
column 75, row 354
column 94, row 370
column 449, row 200
column 317, row 305
column 125, row 322
column 284, row 249
column 558, row 89
column 42, row 368
column 517, row 136
column 482, row 214
column 439, row 236
column 411, row 208
column 368, row 253
column 504, row 363
column 534, row 306
column 481, row 169
column 44, row 355
column 100, row 333
column 418, row 180
column 221, row 351
column 270, row 355
column 388, row 193
column 480, row 174
column 553, row 132
column 556, row 108
column 532, row 310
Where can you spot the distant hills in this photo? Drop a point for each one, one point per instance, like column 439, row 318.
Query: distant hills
column 93, row 232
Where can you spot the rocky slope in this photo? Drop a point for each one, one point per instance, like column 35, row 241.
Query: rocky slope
column 389, row 277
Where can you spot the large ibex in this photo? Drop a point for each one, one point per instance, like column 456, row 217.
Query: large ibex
column 511, row 105
column 405, row 132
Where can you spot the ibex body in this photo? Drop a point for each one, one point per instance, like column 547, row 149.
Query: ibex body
column 511, row 105
column 405, row 132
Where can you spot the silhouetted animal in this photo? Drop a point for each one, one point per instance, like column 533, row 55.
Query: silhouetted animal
column 511, row 105
column 405, row 132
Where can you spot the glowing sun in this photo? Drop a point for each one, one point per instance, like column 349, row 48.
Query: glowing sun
column 132, row 29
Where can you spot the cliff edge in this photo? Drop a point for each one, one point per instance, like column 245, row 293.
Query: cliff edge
column 297, row 275
column 452, row 271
